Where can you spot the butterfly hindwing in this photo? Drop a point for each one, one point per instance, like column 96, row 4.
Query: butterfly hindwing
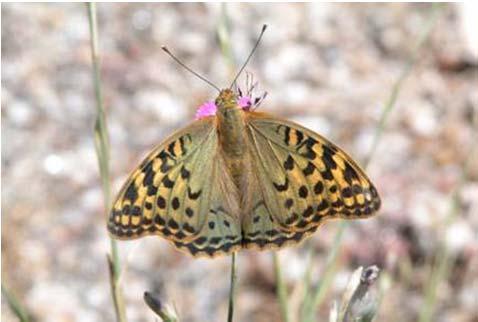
column 221, row 234
column 304, row 179
column 261, row 231
column 171, row 194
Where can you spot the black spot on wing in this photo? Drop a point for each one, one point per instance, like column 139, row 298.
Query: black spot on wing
column 349, row 173
column 282, row 187
column 328, row 160
column 188, row 228
column 149, row 174
column 152, row 190
column 292, row 219
column 201, row 240
column 171, row 148
column 310, row 154
column 135, row 211
column 215, row 240
column 347, row 192
column 167, row 182
column 175, row 203
column 300, row 136
column 159, row 220
column 318, row 188
column 287, row 135
column 161, row 202
column 303, row 192
column 327, row 174
column 323, row 205
column 309, row 169
column 289, row 203
column 131, row 193
column 185, row 174
column 163, row 155
column 173, row 224
column 181, row 142
column 189, row 212
column 289, row 163
column 194, row 195
column 164, row 167
column 308, row 212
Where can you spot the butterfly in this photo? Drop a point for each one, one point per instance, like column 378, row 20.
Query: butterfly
column 236, row 178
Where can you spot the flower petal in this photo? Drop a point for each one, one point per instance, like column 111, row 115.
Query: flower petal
column 245, row 102
column 205, row 110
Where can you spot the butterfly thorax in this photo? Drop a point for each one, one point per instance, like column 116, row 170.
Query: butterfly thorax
column 231, row 133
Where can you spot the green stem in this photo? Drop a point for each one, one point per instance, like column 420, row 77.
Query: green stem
column 281, row 288
column 15, row 305
column 157, row 307
column 102, row 151
column 223, row 35
column 311, row 303
column 392, row 99
column 232, row 290
column 443, row 258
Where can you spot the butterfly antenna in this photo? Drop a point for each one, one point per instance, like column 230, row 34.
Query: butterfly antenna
column 264, row 27
column 188, row 69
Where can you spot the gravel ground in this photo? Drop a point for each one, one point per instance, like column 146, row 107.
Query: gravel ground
column 330, row 67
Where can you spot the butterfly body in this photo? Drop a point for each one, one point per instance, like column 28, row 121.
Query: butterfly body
column 231, row 134
column 240, row 179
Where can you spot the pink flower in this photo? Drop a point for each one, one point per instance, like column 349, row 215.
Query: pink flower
column 205, row 110
column 245, row 102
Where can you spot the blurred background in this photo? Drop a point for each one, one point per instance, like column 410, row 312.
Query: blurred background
column 329, row 67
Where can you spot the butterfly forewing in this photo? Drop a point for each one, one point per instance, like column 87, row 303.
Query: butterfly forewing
column 171, row 194
column 303, row 179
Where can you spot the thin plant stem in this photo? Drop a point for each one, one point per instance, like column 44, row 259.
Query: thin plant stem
column 397, row 86
column 318, row 295
column 164, row 312
column 232, row 290
column 306, row 281
column 102, row 151
column 223, row 35
column 388, row 107
column 443, row 258
column 16, row 306
column 281, row 288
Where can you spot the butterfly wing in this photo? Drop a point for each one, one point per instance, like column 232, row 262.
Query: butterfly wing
column 221, row 234
column 302, row 180
column 178, row 192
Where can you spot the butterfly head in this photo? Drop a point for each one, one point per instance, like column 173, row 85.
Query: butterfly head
column 226, row 99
